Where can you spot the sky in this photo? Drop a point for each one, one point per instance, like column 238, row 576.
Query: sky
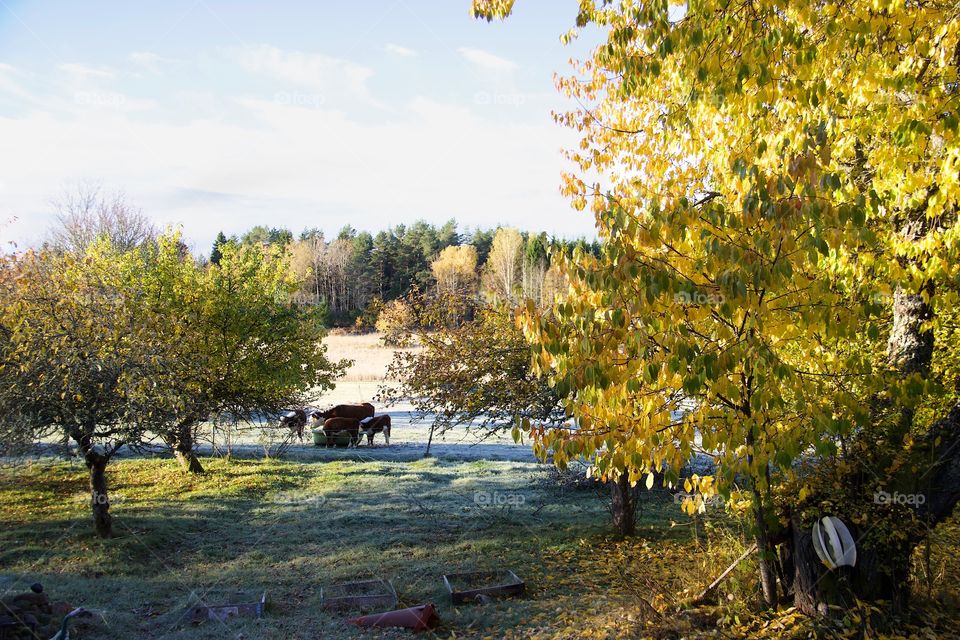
column 220, row 115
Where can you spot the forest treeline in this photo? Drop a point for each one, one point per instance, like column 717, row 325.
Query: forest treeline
column 355, row 272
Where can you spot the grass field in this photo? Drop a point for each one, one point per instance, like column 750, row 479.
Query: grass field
column 291, row 528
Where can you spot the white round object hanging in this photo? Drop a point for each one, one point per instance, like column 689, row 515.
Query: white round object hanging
column 833, row 543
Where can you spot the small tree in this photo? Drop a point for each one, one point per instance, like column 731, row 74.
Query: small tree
column 455, row 270
column 88, row 214
column 263, row 236
column 235, row 343
column 502, row 271
column 477, row 373
column 395, row 322
column 217, row 252
column 76, row 342
column 367, row 319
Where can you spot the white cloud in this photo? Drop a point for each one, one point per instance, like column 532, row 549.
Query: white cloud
column 399, row 50
column 82, row 71
column 150, row 61
column 293, row 167
column 79, row 92
column 308, row 70
column 240, row 161
column 486, row 60
column 10, row 85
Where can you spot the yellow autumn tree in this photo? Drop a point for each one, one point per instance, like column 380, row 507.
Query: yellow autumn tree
column 777, row 192
column 502, row 271
column 455, row 270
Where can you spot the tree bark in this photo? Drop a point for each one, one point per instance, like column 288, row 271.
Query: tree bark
column 188, row 461
column 180, row 439
column 765, row 552
column 99, row 498
column 879, row 574
column 426, row 454
column 910, row 349
column 96, row 460
column 765, row 562
column 810, row 591
column 940, row 483
column 623, row 505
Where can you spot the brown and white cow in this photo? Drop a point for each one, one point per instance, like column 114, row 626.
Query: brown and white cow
column 373, row 425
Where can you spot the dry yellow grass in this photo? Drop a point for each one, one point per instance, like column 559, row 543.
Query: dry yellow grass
column 368, row 353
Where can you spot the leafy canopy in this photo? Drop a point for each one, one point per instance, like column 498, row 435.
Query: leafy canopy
column 233, row 342
column 475, row 373
column 766, row 175
column 108, row 345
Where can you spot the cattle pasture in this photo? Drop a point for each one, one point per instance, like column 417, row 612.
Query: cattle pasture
column 291, row 528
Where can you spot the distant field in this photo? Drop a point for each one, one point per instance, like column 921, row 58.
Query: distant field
column 369, row 370
column 368, row 353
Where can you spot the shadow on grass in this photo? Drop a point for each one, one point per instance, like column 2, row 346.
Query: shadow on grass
column 291, row 528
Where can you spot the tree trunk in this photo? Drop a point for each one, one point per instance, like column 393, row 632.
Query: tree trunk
column 879, row 574
column 940, row 483
column 188, row 461
column 910, row 350
column 623, row 504
column 810, row 586
column 766, row 556
column 96, row 460
column 426, row 454
column 99, row 499
column 180, row 439
column 883, row 573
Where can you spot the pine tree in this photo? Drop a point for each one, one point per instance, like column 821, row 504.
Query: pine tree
column 217, row 254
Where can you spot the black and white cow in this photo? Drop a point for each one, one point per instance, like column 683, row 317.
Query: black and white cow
column 296, row 420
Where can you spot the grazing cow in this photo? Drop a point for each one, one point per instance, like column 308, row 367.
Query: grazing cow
column 373, row 425
column 295, row 420
column 356, row 411
column 333, row 426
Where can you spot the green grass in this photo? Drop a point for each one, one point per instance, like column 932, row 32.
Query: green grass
column 291, row 528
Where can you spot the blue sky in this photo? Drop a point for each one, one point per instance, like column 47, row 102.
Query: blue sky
column 221, row 115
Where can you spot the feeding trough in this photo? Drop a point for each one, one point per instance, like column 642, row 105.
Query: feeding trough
column 366, row 594
column 338, row 439
column 246, row 605
column 477, row 586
